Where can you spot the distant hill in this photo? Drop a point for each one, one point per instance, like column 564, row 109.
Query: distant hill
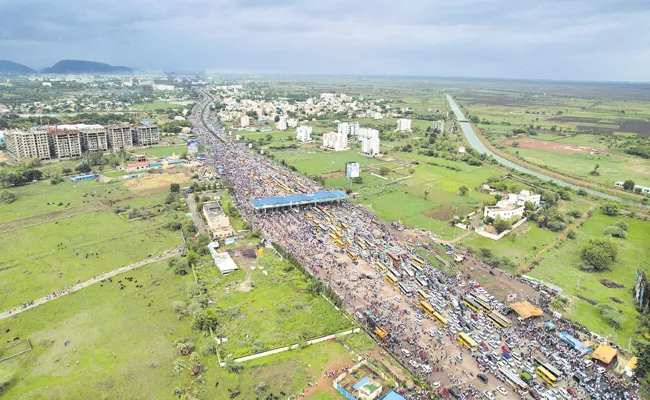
column 85, row 67
column 10, row 67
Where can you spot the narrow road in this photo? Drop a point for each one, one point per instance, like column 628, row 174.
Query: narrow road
column 198, row 221
column 17, row 310
column 476, row 143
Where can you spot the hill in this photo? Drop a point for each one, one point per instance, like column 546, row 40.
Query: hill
column 10, row 67
column 85, row 67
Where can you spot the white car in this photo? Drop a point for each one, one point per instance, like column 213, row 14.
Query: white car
column 436, row 384
column 459, row 358
column 588, row 363
column 419, row 322
column 600, row 370
column 488, row 395
column 565, row 394
column 502, row 390
column 398, row 298
column 406, row 353
column 414, row 363
column 426, row 368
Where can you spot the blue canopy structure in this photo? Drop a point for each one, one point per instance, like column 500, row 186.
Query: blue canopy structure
column 361, row 383
column 298, row 200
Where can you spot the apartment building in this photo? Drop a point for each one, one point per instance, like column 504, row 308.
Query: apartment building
column 403, row 125
column 119, row 136
column 32, row 143
column 370, row 146
column 438, row 125
column 303, row 133
column 145, row 135
column 64, row 143
column 337, row 141
column 349, row 128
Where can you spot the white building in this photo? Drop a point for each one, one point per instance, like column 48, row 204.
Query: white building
column 245, row 121
column 281, row 125
column 327, row 96
column 367, row 133
column 349, row 128
column 513, row 205
column 162, row 88
column 644, row 189
column 370, row 146
column 292, row 122
column 438, row 125
column 303, row 133
column 377, row 115
column 403, row 125
column 335, row 141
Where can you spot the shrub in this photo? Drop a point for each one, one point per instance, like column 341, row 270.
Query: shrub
column 615, row 231
column 7, row 197
column 556, row 225
column 598, row 254
column 623, row 225
column 611, row 315
column 610, row 208
column 574, row 213
column 571, row 234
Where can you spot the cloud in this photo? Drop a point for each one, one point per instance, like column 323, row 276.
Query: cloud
column 568, row 39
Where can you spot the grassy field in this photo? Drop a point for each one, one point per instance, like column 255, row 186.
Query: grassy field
column 559, row 268
column 320, row 162
column 165, row 151
column 157, row 105
column 277, row 311
column 121, row 346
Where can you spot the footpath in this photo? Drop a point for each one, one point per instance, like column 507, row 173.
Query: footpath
column 55, row 295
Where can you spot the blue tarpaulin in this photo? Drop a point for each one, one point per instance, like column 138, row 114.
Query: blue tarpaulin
column 392, row 395
column 298, row 199
column 574, row 343
column 361, row 383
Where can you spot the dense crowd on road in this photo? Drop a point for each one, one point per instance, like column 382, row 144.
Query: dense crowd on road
column 427, row 348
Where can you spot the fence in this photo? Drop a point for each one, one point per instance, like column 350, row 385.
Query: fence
column 502, row 234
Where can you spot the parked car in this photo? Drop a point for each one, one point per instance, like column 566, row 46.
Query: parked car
column 482, row 378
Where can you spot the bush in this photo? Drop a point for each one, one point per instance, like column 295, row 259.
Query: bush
column 502, row 225
column 598, row 254
column 233, row 366
column 556, row 225
column 571, row 234
column 623, row 225
column 610, row 208
column 615, row 231
column 7, row 197
column 611, row 315
column 574, row 213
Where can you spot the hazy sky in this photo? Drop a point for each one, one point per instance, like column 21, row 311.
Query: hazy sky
column 560, row 39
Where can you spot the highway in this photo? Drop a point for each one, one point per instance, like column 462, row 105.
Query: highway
column 476, row 143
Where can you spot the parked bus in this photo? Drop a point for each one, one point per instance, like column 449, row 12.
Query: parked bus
column 390, row 278
column 546, row 376
column 500, row 320
column 349, row 241
column 343, row 225
column 423, row 296
column 481, row 301
column 353, row 255
column 409, row 273
column 405, row 289
column 417, row 267
column 417, row 261
column 394, row 259
column 442, row 320
column 381, row 333
column 339, row 243
column 422, row 281
column 513, row 379
column 467, row 341
column 471, row 304
column 394, row 272
column 548, row 366
column 426, row 307
column 380, row 266
column 334, row 236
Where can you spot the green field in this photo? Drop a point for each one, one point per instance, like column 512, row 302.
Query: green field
column 165, row 151
column 318, row 162
column 559, row 267
column 156, row 105
column 122, row 346
column 278, row 311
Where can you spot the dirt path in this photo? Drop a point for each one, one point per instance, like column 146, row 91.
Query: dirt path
column 526, row 267
column 167, row 254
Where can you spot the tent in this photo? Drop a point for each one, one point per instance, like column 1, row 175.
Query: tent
column 526, row 310
column 605, row 354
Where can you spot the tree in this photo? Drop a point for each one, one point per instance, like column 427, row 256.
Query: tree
column 358, row 180
column 179, row 366
column 463, row 190
column 629, row 185
column 475, row 119
column 610, row 208
column 277, row 118
column 643, row 363
column 595, row 172
column 7, row 197
column 252, row 114
column 233, row 366
column 383, row 171
column 502, row 224
column 175, row 188
column 208, row 319
column 598, row 254
column 515, row 144
column 83, row 168
column 426, row 193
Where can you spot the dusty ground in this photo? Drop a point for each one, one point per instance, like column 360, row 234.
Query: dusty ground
column 244, row 256
column 4, row 157
column 526, row 143
column 334, row 175
column 155, row 182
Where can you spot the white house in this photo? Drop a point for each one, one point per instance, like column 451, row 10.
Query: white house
column 513, row 205
column 403, row 125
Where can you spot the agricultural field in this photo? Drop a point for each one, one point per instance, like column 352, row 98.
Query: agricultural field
column 78, row 241
column 165, row 151
column 157, row 105
column 585, row 289
column 121, row 345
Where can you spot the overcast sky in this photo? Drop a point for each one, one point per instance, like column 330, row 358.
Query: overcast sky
column 560, row 39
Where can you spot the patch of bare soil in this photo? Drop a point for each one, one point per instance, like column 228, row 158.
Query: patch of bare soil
column 610, row 284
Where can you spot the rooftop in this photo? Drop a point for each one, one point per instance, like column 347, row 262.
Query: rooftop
column 298, row 199
column 213, row 209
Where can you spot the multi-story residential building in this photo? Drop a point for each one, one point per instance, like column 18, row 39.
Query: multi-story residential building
column 370, row 146
column 32, row 143
column 161, row 87
column 119, row 136
column 64, row 143
column 292, row 122
column 336, row 141
column 145, row 134
column 367, row 133
column 438, row 125
column 245, row 121
column 403, row 125
column 303, row 133
column 93, row 137
column 349, row 128
column 281, row 125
